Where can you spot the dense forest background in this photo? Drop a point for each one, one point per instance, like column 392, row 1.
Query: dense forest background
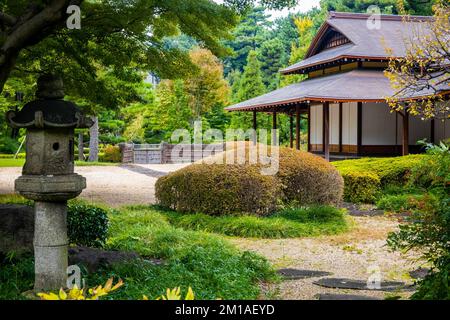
column 147, row 109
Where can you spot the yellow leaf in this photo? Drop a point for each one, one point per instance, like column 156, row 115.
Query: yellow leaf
column 62, row 294
column 190, row 294
column 108, row 284
column 48, row 296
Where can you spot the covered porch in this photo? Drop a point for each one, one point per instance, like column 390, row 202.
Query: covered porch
column 347, row 116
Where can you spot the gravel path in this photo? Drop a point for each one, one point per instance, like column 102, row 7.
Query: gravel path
column 112, row 185
column 346, row 256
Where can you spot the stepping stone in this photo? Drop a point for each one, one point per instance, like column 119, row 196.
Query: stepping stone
column 296, row 274
column 341, row 283
column 361, row 211
column 330, row 296
column 419, row 273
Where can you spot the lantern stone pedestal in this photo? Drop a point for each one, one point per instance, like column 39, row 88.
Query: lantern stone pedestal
column 48, row 175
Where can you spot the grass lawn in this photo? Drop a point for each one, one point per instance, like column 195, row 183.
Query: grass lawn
column 20, row 162
column 290, row 223
column 212, row 266
column 207, row 262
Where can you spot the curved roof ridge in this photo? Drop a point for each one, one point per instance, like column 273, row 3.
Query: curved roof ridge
column 365, row 41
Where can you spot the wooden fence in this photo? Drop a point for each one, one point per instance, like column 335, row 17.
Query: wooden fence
column 167, row 153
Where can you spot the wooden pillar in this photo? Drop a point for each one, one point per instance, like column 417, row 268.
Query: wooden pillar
column 297, row 128
column 405, row 137
column 255, row 127
column 274, row 127
column 309, row 127
column 291, row 131
column 340, row 127
column 432, row 133
column 326, row 131
column 359, row 128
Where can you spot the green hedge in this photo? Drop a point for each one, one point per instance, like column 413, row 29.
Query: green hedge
column 218, row 189
column 87, row 224
column 302, row 179
column 365, row 178
column 361, row 187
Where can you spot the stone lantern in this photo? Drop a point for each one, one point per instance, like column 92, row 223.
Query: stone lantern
column 48, row 175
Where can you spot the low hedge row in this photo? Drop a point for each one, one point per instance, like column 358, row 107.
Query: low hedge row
column 365, row 178
column 361, row 187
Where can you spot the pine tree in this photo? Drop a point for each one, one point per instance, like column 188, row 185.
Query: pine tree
column 250, row 85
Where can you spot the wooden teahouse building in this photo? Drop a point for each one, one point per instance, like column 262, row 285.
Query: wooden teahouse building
column 345, row 91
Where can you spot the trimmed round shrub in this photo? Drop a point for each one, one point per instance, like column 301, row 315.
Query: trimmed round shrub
column 87, row 225
column 308, row 179
column 218, row 189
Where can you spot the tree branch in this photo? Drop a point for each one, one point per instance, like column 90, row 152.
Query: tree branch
column 7, row 19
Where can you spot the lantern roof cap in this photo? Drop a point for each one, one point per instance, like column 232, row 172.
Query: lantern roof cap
column 49, row 110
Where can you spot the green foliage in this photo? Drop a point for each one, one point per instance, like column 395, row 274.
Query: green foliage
column 361, row 187
column 219, row 190
column 110, row 153
column 308, row 179
column 87, row 225
column 16, row 276
column 365, row 178
column 249, row 85
column 223, row 189
column 404, row 202
column 273, row 57
column 289, row 223
column 436, row 285
column 247, row 36
column 207, row 263
column 8, row 145
column 428, row 229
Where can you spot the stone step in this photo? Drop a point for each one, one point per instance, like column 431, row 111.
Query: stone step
column 296, row 274
column 330, row 296
column 342, row 283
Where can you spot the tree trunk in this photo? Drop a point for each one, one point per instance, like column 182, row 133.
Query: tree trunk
column 93, row 141
column 80, row 146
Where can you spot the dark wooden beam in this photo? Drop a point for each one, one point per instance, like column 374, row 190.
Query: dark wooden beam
column 274, row 127
column 309, row 128
column 340, row 126
column 326, row 131
column 297, row 128
column 255, row 127
column 359, row 127
column 291, row 131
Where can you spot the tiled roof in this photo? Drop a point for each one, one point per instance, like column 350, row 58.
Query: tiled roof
column 393, row 34
column 355, row 85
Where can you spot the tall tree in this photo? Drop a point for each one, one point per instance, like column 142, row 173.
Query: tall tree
column 251, row 32
column 415, row 7
column 113, row 33
column 273, row 57
column 207, row 87
column 250, row 85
